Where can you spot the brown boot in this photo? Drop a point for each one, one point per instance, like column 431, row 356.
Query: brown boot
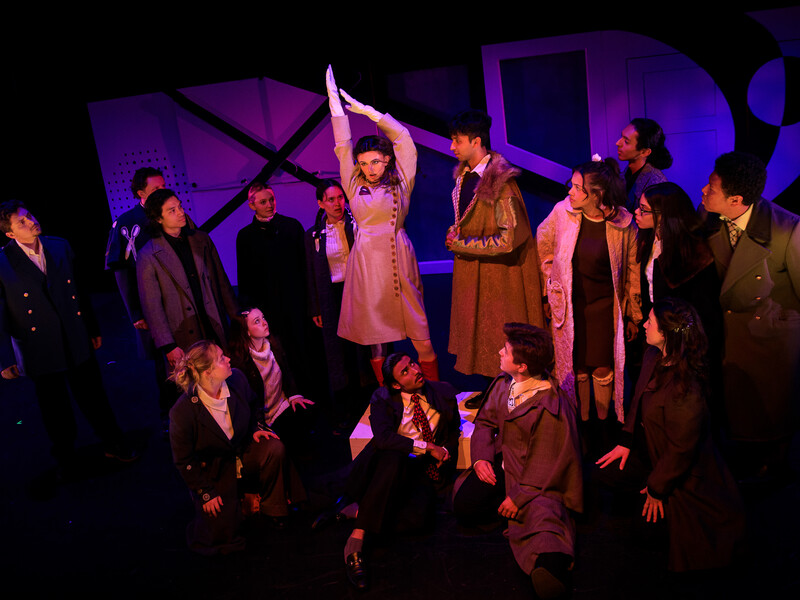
column 603, row 391
column 430, row 369
column 377, row 365
column 583, row 389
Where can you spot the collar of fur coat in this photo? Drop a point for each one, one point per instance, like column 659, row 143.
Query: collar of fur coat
column 620, row 220
column 494, row 177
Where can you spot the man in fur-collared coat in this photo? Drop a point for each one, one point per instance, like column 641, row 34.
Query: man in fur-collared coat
column 495, row 269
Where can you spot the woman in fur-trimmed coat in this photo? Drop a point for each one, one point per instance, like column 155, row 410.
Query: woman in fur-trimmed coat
column 495, row 269
column 600, row 324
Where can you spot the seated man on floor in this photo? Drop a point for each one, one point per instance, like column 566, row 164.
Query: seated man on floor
column 526, row 460
column 415, row 428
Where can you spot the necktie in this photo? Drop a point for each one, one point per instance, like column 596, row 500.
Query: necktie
column 734, row 233
column 468, row 185
column 511, row 403
column 420, row 421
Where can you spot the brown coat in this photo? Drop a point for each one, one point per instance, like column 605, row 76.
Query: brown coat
column 542, row 465
column 495, row 269
column 703, row 508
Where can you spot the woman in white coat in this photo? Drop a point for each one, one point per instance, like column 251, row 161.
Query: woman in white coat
column 382, row 299
column 587, row 246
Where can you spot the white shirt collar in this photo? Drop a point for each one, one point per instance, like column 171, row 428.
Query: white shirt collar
column 481, row 166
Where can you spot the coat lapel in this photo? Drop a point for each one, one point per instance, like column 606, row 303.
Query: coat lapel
column 172, row 265
column 748, row 254
column 207, row 422
column 752, row 248
column 22, row 264
column 648, row 366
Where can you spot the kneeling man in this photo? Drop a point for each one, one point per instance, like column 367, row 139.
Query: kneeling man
column 526, row 459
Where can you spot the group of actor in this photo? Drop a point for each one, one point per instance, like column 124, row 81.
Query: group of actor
column 630, row 330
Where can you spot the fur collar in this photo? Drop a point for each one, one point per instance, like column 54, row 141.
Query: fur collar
column 621, row 220
column 679, row 274
column 495, row 176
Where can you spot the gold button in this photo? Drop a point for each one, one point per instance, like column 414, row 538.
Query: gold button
column 69, row 280
column 758, row 276
column 25, row 295
column 79, row 313
column 758, row 297
column 73, row 297
column 30, row 311
column 729, row 312
column 757, row 317
column 33, row 328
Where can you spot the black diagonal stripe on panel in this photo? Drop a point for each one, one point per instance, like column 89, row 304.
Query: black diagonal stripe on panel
column 275, row 159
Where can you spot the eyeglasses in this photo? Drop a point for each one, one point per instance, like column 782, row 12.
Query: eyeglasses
column 647, row 211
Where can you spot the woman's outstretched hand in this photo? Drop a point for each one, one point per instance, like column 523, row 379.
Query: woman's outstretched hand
column 619, row 452
column 334, row 102
column 357, row 107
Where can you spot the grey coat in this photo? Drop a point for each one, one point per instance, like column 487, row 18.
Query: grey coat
column 761, row 307
column 167, row 301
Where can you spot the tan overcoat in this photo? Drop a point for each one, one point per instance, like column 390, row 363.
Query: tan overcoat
column 495, row 269
column 382, row 300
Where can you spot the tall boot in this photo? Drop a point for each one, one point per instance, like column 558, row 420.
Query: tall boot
column 603, row 390
column 583, row 390
column 430, row 369
column 377, row 365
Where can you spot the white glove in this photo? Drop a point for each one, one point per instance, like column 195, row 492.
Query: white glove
column 361, row 109
column 334, row 102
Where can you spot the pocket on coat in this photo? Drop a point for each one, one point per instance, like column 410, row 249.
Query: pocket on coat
column 558, row 302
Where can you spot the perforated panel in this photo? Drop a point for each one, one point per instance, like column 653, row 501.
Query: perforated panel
column 118, row 181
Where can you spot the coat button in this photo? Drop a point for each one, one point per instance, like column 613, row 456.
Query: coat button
column 758, row 297
column 729, row 311
column 25, row 295
column 69, row 280
column 757, row 317
column 73, row 297
column 758, row 276
column 30, row 311
column 79, row 313
column 195, row 399
column 188, row 467
column 33, row 328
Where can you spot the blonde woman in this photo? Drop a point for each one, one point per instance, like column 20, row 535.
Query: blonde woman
column 222, row 447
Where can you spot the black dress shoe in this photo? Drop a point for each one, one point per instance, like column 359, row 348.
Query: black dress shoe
column 475, row 402
column 356, row 570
